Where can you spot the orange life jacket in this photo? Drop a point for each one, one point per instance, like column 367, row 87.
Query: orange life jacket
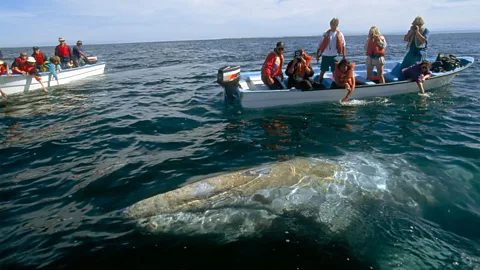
column 300, row 71
column 373, row 49
column 326, row 40
column 341, row 78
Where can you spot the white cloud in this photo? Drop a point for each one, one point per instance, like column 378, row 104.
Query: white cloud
column 146, row 20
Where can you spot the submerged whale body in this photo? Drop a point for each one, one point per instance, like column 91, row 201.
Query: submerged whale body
column 353, row 199
column 247, row 202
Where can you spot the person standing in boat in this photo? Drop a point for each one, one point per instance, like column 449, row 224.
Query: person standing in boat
column 300, row 72
column 79, row 58
column 272, row 74
column 64, row 52
column 417, row 38
column 332, row 44
column 4, row 71
column 344, row 77
column 39, row 56
column 375, row 48
column 419, row 72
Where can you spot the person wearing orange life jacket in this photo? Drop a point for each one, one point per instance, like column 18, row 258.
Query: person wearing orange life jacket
column 4, row 70
column 39, row 56
column 299, row 72
column 331, row 45
column 375, row 48
column 65, row 53
column 18, row 63
column 272, row 74
column 344, row 77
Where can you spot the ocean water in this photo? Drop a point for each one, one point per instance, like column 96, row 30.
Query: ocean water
column 73, row 160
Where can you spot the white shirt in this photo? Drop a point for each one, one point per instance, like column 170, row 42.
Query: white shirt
column 331, row 49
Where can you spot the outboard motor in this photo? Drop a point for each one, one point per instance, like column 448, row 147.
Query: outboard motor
column 228, row 77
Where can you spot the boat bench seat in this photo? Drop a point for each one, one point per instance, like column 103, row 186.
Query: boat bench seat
column 362, row 80
column 255, row 82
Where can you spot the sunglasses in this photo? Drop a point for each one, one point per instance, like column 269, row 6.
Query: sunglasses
column 425, row 67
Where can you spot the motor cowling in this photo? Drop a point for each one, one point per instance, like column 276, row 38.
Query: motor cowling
column 229, row 77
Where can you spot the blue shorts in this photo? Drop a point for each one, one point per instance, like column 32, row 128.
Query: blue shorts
column 328, row 62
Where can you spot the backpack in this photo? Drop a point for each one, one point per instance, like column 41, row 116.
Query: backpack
column 445, row 63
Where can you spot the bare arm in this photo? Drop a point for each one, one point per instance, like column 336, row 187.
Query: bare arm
column 421, row 37
column 408, row 35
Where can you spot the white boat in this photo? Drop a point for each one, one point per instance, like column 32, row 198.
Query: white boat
column 251, row 92
column 23, row 83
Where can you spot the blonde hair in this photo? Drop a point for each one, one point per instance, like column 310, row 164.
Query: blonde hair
column 335, row 21
column 418, row 21
column 55, row 59
column 374, row 31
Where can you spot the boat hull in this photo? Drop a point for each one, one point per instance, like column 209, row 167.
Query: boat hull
column 264, row 99
column 21, row 84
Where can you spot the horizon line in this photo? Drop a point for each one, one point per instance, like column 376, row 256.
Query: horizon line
column 393, row 33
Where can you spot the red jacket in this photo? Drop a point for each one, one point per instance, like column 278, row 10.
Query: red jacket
column 273, row 65
column 40, row 58
column 63, row 51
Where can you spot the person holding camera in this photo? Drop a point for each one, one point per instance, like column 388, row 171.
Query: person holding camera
column 417, row 38
column 375, row 48
column 300, row 72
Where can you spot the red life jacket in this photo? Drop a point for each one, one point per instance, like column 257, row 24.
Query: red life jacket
column 374, row 49
column 326, row 40
column 20, row 63
column 2, row 70
column 63, row 51
column 39, row 58
column 342, row 78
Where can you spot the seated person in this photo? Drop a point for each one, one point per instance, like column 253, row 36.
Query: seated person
column 39, row 56
column 30, row 69
column 272, row 75
column 4, row 70
column 299, row 73
column 19, row 62
column 344, row 77
column 79, row 58
column 53, row 66
column 419, row 72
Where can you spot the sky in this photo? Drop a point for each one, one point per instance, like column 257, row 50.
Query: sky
column 34, row 22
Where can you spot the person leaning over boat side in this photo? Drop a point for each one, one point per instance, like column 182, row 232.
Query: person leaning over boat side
column 4, row 70
column 19, row 63
column 79, row 58
column 419, row 72
column 64, row 52
column 39, row 56
column 52, row 66
column 417, row 38
column 299, row 73
column 332, row 44
column 375, row 48
column 272, row 68
column 344, row 77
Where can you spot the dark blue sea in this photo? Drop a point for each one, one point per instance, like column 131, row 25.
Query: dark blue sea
column 73, row 160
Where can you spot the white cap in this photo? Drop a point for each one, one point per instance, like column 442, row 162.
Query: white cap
column 31, row 59
column 61, row 39
column 1, row 62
